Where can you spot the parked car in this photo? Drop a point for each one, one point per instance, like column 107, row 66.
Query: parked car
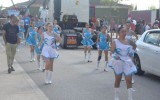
column 148, row 52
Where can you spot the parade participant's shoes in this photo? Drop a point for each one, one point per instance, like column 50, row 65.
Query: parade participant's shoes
column 50, row 82
column 130, row 94
column 33, row 60
column 46, row 83
column 116, row 94
column 132, row 81
column 9, row 70
column 89, row 61
column 122, row 79
column 106, row 70
column 12, row 69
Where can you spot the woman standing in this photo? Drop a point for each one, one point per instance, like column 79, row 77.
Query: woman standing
column 122, row 63
column 49, row 52
column 21, row 31
column 57, row 30
column 39, row 46
column 31, row 40
column 129, row 36
column 103, row 45
column 87, row 42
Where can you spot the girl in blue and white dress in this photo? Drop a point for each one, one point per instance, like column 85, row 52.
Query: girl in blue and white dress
column 57, row 30
column 39, row 47
column 103, row 45
column 21, row 30
column 122, row 63
column 49, row 52
column 31, row 33
column 87, row 42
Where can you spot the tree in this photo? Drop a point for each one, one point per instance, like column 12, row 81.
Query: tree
column 111, row 2
column 152, row 7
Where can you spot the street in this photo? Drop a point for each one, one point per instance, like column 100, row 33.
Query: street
column 76, row 80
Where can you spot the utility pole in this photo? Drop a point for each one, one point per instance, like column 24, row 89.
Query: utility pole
column 159, row 9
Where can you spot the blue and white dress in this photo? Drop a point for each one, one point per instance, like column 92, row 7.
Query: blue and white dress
column 87, row 38
column 56, row 29
column 38, row 47
column 49, row 49
column 31, row 37
column 124, row 65
column 103, row 44
column 21, row 31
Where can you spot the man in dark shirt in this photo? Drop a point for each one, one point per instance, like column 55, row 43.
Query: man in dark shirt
column 10, row 37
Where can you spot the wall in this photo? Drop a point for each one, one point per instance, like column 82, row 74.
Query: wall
column 81, row 10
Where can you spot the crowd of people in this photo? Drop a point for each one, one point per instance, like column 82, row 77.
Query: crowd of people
column 44, row 38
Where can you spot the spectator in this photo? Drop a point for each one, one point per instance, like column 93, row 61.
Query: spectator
column 10, row 37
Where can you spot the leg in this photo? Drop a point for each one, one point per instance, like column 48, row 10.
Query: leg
column 116, row 86
column 8, row 53
column 47, row 70
column 129, row 86
column 85, row 53
column 50, row 71
column 106, row 60
column 13, row 52
column 99, row 58
column 38, row 62
column 89, row 54
column 33, row 53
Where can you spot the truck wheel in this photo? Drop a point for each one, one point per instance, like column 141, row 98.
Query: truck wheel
column 63, row 41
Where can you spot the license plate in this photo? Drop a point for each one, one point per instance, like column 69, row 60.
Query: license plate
column 71, row 41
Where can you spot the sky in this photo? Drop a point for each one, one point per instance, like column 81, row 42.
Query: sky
column 141, row 4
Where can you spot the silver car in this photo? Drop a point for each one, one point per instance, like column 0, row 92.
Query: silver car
column 147, row 57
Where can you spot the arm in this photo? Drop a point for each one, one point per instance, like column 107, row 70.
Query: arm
column 108, row 37
column 4, row 33
column 4, row 36
column 98, row 37
column 133, row 33
column 60, row 29
column 113, row 48
column 133, row 44
column 58, row 38
column 41, row 39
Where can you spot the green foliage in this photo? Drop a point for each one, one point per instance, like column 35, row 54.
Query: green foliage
column 152, row 7
column 111, row 2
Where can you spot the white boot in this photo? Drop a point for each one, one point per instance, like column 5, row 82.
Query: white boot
column 106, row 66
column 89, row 57
column 98, row 62
column 43, row 67
column 85, row 57
column 31, row 57
column 116, row 93
column 39, row 66
column 130, row 94
column 132, row 80
column 50, row 77
column 46, row 76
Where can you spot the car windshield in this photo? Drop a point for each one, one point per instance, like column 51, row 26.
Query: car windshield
column 153, row 38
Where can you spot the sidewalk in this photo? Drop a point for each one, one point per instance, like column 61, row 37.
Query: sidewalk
column 17, row 85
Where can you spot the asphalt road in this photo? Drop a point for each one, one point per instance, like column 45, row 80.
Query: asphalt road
column 76, row 80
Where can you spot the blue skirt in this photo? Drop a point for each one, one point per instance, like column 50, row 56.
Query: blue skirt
column 86, row 42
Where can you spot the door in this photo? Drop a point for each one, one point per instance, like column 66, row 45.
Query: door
column 152, row 52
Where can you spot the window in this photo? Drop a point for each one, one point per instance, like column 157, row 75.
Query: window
column 153, row 38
